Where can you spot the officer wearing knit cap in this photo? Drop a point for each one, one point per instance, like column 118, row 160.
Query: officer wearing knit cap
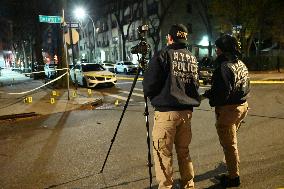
column 228, row 44
column 171, row 83
column 179, row 33
column 228, row 94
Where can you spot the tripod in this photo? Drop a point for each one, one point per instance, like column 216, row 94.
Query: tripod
column 142, row 62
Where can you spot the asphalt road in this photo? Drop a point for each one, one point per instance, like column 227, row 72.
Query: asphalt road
column 67, row 150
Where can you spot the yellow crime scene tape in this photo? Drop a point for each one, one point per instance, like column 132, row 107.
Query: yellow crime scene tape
column 253, row 82
column 129, row 78
column 267, row 82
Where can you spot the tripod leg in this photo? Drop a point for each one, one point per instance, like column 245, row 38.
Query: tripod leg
column 120, row 120
column 146, row 114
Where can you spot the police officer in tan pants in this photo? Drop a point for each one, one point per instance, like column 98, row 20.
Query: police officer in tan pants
column 172, row 128
column 171, row 83
column 228, row 94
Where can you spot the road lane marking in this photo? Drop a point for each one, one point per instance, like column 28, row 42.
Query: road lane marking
column 137, row 89
column 201, row 87
column 139, row 79
column 136, row 94
column 253, row 82
column 122, row 83
column 116, row 96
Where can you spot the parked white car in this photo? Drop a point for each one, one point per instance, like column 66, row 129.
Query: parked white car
column 92, row 75
column 109, row 66
column 50, row 70
column 126, row 67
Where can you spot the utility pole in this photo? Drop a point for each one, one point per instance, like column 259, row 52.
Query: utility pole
column 65, row 53
column 62, row 53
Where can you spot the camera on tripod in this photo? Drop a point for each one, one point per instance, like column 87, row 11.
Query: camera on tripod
column 142, row 47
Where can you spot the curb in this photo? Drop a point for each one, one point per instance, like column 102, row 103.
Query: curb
column 17, row 116
column 90, row 105
column 86, row 106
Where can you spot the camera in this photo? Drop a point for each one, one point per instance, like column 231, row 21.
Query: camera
column 142, row 47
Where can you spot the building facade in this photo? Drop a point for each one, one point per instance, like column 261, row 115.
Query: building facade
column 158, row 14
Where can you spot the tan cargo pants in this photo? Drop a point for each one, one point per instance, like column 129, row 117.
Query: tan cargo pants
column 169, row 128
column 228, row 121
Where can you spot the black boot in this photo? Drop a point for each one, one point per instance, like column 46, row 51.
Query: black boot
column 230, row 182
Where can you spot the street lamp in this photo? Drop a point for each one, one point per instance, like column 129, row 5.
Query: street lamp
column 80, row 13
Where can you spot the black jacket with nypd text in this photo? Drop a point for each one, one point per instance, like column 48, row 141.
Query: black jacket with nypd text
column 230, row 82
column 171, row 81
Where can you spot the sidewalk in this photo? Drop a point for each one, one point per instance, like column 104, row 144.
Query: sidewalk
column 267, row 76
column 13, row 105
column 43, row 101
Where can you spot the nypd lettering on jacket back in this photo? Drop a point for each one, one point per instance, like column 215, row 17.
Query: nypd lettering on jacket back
column 240, row 74
column 184, row 67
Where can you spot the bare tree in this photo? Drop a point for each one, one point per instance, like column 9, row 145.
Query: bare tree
column 203, row 9
column 156, row 20
column 253, row 17
column 125, row 13
column 27, row 32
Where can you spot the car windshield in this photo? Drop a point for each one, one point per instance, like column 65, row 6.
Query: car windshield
column 92, row 67
column 128, row 63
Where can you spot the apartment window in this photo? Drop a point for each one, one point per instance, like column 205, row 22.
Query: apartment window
column 131, row 36
column 105, row 44
column 126, row 18
column 189, row 8
column 102, row 26
column 105, row 26
column 113, row 24
column 114, row 40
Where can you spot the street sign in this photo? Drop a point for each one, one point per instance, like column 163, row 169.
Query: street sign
column 50, row 19
column 73, row 25
column 75, row 36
